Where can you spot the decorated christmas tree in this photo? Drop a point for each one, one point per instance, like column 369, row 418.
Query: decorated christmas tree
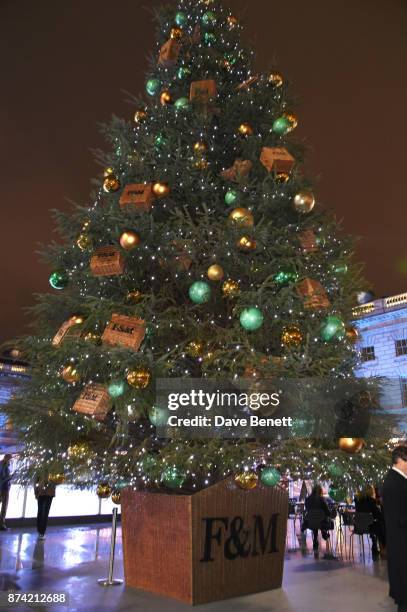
column 204, row 254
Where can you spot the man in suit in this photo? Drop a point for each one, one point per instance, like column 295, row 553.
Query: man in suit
column 395, row 516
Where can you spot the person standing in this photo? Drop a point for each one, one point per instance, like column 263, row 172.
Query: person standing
column 395, row 516
column 365, row 501
column 5, row 484
column 44, row 493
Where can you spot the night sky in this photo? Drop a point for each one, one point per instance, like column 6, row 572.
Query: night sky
column 65, row 64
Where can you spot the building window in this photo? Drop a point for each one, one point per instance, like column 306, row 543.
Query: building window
column 401, row 347
column 367, row 353
column 403, row 383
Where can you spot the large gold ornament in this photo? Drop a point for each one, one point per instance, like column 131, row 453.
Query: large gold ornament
column 56, row 478
column 83, row 241
column 176, row 33
column 291, row 336
column 352, row 334
column 292, row 120
column 245, row 129
column 111, row 184
column 276, row 79
column 246, row 244
column 161, row 190
column 134, row 296
column 242, row 217
column 116, row 497
column 232, row 21
column 195, row 348
column 70, row 374
column 351, row 445
column 304, row 201
column 166, row 98
column 140, row 116
column 230, row 288
column 108, row 172
column 247, row 480
column 103, row 490
column 129, row 240
column 200, row 147
column 139, row 378
column 215, row 272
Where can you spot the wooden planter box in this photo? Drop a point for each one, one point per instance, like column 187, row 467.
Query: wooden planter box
column 219, row 543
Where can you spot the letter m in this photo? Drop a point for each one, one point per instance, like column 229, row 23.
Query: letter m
column 265, row 539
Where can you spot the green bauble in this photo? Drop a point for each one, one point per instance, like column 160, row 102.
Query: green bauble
column 251, row 319
column 231, row 197
column 200, row 292
column 341, row 269
column 209, row 38
column 208, row 19
column 160, row 140
column 153, row 86
column 332, row 328
column 147, row 463
column 158, row 416
column 335, row 470
column 285, row 277
column 173, row 478
column 116, row 388
column 337, row 494
column 270, row 477
column 182, row 104
column 180, row 19
column 183, row 72
column 281, row 126
column 231, row 58
column 58, row 279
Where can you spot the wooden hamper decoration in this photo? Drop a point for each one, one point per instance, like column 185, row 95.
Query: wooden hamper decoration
column 124, row 331
column 308, row 241
column 93, row 401
column 314, row 294
column 107, row 261
column 137, row 196
column 218, row 543
column 203, row 91
column 277, row 159
column 169, row 53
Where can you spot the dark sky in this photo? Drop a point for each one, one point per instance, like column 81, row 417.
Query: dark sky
column 64, row 64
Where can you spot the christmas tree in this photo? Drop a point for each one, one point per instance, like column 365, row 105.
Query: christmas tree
column 203, row 254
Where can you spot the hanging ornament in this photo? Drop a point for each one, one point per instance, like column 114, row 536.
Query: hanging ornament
column 242, row 217
column 70, row 374
column 83, row 242
column 56, row 478
column 161, row 190
column 351, row 445
column 209, row 38
column 246, row 244
column 108, row 172
column 111, row 184
column 215, row 272
column 58, row 279
column 139, row 378
column 246, row 480
column 79, row 451
column 270, row 477
column 160, row 140
column 201, row 164
column 231, row 197
column 153, row 87
column 341, row 269
column 166, row 98
column 251, row 319
column 158, row 416
column 182, row 104
column 183, row 72
column 208, row 19
column 232, row 22
column 352, row 334
column 195, row 348
column 245, row 129
column 304, row 201
column 176, row 33
column 180, row 19
column 285, row 277
column 332, row 328
column 335, row 470
column 116, row 497
column 291, row 336
column 292, row 119
column 282, row 177
column 129, row 240
column 140, row 116
column 281, row 125
column 200, row 148
column 200, row 292
column 134, row 296
column 337, row 494
column 230, row 288
column 173, row 478
column 116, row 388
column 275, row 79
column 103, row 490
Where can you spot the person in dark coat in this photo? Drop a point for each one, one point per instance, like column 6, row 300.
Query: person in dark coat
column 44, row 493
column 366, row 502
column 316, row 501
column 395, row 516
column 5, row 483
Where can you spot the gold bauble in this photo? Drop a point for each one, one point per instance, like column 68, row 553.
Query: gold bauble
column 108, row 172
column 139, row 378
column 242, row 217
column 232, row 21
column 91, row 337
column 282, row 177
column 200, row 147
column 247, row 480
column 111, row 184
column 352, row 334
column 129, row 240
column 195, row 348
column 292, row 119
column 276, row 79
column 215, row 272
column 79, row 451
column 70, row 374
column 140, row 116
column 83, row 241
column 351, row 445
column 201, row 164
column 103, row 490
column 166, row 98
column 245, row 129
column 176, row 33
column 230, row 288
column 291, row 336
column 134, row 296
column 245, row 243
column 56, row 478
column 116, row 497
column 77, row 319
column 304, row 201
column 161, row 190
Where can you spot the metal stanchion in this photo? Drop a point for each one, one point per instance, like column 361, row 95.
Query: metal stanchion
column 110, row 581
